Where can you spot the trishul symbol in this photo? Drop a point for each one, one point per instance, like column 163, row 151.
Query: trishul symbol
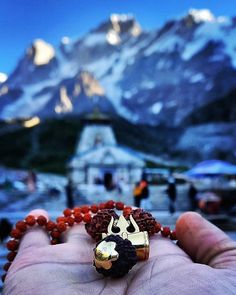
column 122, row 224
column 139, row 239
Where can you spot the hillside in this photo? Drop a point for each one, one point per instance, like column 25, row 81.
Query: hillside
column 49, row 145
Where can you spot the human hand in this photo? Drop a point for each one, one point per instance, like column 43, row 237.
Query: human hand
column 205, row 264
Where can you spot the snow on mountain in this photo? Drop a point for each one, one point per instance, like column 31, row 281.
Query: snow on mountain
column 209, row 140
column 121, row 24
column 199, row 77
column 156, row 107
column 153, row 77
column 28, row 104
column 94, row 39
column 3, row 77
column 41, row 52
column 219, row 31
column 164, row 44
column 202, row 15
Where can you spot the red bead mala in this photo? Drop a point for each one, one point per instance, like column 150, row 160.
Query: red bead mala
column 69, row 218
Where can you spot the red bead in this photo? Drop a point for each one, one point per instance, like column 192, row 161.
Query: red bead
column 157, row 227
column 6, row 266
column 120, row 205
column 85, row 209
column 11, row 256
column 173, row 235
column 21, row 225
column 67, row 212
column 3, row 277
column 70, row 220
column 55, row 234
column 127, row 211
column 94, row 208
column 16, row 233
column 110, row 204
column 78, row 217
column 41, row 220
column 61, row 226
column 102, row 206
column 30, row 220
column 50, row 225
column 165, row 231
column 87, row 218
column 77, row 210
column 12, row 245
column 61, row 219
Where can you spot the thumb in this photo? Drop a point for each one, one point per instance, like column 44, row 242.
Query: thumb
column 204, row 242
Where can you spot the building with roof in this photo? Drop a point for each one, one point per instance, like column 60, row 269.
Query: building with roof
column 100, row 160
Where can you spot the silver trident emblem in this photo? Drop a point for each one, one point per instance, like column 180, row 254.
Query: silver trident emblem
column 139, row 239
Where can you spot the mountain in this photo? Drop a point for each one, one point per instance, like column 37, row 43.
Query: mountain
column 3, row 77
column 148, row 77
column 168, row 77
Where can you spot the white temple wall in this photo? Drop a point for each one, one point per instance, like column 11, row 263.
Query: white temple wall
column 135, row 174
column 122, row 174
column 77, row 176
column 92, row 174
column 95, row 135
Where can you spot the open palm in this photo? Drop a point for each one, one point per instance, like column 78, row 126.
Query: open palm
column 205, row 264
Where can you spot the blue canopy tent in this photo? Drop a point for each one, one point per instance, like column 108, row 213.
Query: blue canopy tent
column 212, row 168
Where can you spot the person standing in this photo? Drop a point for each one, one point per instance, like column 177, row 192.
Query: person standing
column 69, row 194
column 31, row 181
column 137, row 193
column 192, row 196
column 144, row 188
column 145, row 202
column 172, row 194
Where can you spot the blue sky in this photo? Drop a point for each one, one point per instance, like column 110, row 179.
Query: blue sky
column 22, row 21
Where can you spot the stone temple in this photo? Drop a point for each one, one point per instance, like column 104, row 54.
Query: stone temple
column 99, row 159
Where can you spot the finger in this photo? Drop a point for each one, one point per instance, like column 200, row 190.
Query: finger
column 75, row 234
column 83, row 245
column 204, row 242
column 36, row 236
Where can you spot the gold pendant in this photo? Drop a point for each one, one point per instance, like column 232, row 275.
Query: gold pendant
column 105, row 253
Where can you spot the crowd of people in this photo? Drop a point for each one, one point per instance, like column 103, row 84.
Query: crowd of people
column 141, row 194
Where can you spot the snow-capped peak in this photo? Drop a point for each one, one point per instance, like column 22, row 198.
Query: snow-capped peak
column 123, row 23
column 65, row 40
column 114, row 30
column 41, row 52
column 120, row 24
column 121, row 17
column 187, row 58
column 3, row 77
column 206, row 16
column 201, row 15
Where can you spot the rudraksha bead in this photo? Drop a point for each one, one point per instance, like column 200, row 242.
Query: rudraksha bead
column 126, row 260
column 99, row 223
column 145, row 221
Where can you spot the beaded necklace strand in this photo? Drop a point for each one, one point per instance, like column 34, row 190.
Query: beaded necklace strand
column 93, row 216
